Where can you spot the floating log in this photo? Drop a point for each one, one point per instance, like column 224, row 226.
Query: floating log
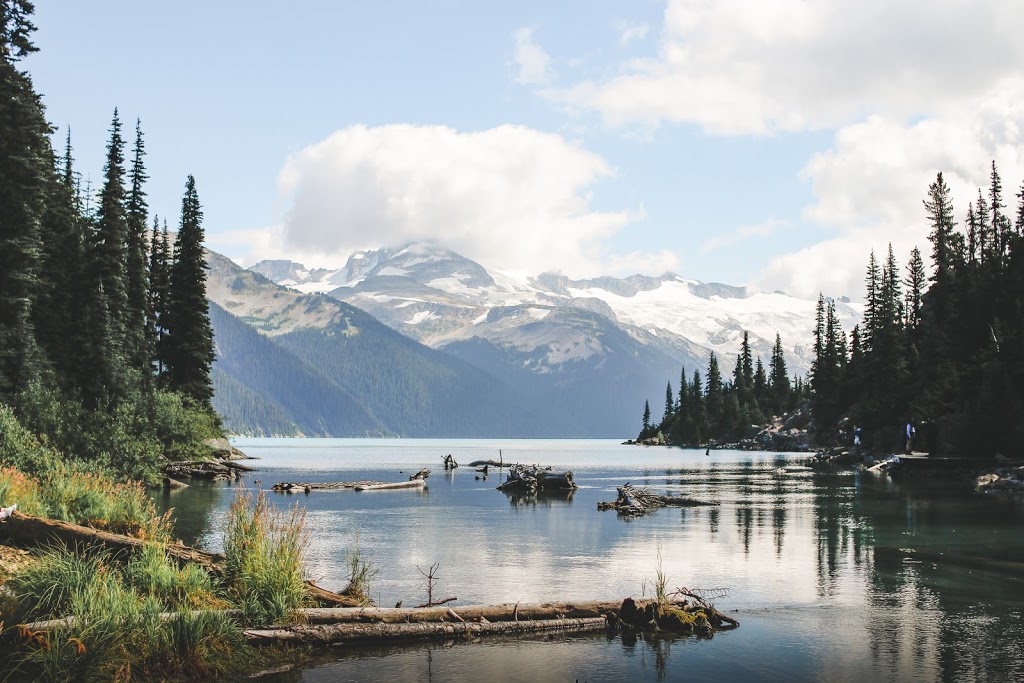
column 489, row 463
column 633, row 500
column 348, row 633
column 414, row 484
column 291, row 487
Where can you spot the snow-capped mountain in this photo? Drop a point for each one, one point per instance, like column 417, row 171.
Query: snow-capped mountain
column 441, row 299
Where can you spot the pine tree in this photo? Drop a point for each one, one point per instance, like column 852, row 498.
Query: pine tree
column 159, row 283
column 137, row 349
column 872, row 301
column 778, row 377
column 647, row 417
column 189, row 334
column 914, row 283
column 760, row 383
column 972, row 235
column 985, row 239
column 26, row 167
column 714, row 396
column 748, row 362
column 999, row 232
column 939, row 207
column 109, row 238
column 669, row 406
column 56, row 312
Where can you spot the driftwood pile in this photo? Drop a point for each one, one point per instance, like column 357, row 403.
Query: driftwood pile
column 530, row 478
column 633, row 500
column 697, row 617
column 213, row 470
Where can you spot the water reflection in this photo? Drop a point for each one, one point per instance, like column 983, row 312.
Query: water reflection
column 838, row 577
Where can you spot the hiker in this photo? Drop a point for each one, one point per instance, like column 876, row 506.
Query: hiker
column 856, row 436
column 910, row 436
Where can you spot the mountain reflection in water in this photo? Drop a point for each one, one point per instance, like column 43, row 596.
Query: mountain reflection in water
column 835, row 576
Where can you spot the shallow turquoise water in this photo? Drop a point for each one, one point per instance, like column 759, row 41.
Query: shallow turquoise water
column 834, row 576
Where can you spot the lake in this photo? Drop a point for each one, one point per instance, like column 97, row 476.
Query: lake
column 833, row 575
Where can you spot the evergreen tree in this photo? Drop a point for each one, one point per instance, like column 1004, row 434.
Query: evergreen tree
column 26, row 165
column 669, row 406
column 915, row 284
column 748, row 362
column 137, row 348
column 760, row 383
column 999, row 227
column 189, row 334
column 57, row 311
column 778, row 377
column 972, row 235
column 647, row 417
column 939, row 206
column 872, row 301
column 109, row 238
column 714, row 396
column 985, row 238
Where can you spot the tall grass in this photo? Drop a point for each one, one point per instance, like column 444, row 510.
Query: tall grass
column 360, row 572
column 117, row 632
column 264, row 568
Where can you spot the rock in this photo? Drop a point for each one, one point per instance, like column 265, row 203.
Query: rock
column 221, row 447
column 174, row 484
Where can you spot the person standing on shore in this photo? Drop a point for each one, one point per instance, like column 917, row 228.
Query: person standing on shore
column 856, row 436
column 910, row 436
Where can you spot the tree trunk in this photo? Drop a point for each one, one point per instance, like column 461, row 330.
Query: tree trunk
column 414, row 484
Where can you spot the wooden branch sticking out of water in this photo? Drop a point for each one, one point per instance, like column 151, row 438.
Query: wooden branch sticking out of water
column 638, row 501
column 534, row 477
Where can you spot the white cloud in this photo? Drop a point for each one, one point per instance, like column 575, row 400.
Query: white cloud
column 630, row 32
column 909, row 88
column 870, row 185
column 533, row 65
column 509, row 197
column 653, row 263
column 748, row 66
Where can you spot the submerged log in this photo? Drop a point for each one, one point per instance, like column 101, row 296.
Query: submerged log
column 413, row 484
column 354, row 632
column 489, row 463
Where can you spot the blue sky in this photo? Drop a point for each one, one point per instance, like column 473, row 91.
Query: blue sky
column 771, row 144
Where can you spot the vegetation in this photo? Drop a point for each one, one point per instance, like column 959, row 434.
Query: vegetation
column 105, row 350
column 945, row 350
column 719, row 409
column 150, row 618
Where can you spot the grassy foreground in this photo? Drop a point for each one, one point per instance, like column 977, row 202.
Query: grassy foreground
column 143, row 617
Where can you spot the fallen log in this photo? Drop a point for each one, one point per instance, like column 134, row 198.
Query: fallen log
column 500, row 612
column 422, row 474
column 414, row 484
column 348, row 633
column 489, row 463
column 291, row 487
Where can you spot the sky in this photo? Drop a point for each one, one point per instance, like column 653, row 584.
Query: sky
column 771, row 144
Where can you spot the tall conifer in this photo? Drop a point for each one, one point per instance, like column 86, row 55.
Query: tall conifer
column 189, row 334
column 137, row 348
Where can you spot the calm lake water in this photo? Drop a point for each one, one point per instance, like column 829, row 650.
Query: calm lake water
column 834, row 576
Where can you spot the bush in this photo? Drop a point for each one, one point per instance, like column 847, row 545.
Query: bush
column 263, row 565
column 16, row 487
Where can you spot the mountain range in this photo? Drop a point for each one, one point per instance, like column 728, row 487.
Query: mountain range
column 418, row 340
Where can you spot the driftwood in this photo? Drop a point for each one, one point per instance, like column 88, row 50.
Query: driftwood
column 348, row 633
column 501, row 612
column 449, row 462
column 528, row 478
column 422, row 474
column 489, row 463
column 291, row 487
column 638, row 501
column 413, row 484
column 32, row 530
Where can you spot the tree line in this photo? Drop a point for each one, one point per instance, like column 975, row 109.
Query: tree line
column 105, row 340
column 944, row 349
column 713, row 408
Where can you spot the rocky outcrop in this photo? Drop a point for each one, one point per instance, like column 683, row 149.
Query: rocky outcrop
column 1003, row 480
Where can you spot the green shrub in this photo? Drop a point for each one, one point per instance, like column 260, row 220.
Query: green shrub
column 263, row 564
